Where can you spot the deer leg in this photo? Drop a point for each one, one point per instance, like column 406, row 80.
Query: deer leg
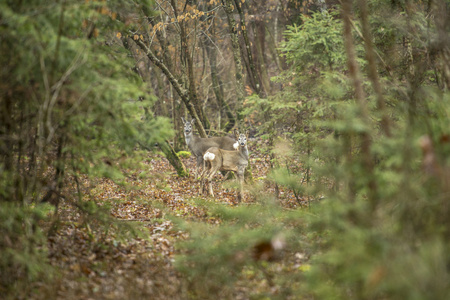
column 206, row 168
column 213, row 171
column 210, row 189
column 202, row 165
column 203, row 176
column 199, row 164
column 239, row 191
column 202, row 186
column 200, row 192
column 240, row 178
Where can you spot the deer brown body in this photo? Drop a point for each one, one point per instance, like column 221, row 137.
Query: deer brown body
column 198, row 145
column 217, row 159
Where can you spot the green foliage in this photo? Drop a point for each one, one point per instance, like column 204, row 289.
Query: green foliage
column 74, row 85
column 315, row 92
column 377, row 226
column 383, row 226
column 70, row 105
column 23, row 247
column 389, row 250
column 315, row 45
column 218, row 256
column 381, row 229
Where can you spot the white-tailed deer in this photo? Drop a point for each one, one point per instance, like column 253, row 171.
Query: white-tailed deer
column 198, row 145
column 217, row 159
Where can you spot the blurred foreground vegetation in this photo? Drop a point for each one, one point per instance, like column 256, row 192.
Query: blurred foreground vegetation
column 358, row 130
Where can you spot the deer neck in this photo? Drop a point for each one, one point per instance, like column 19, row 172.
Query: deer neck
column 243, row 152
column 188, row 137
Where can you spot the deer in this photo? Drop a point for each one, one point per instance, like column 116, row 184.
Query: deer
column 216, row 159
column 198, row 145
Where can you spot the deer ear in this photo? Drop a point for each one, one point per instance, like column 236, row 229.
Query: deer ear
column 182, row 119
column 236, row 133
column 192, row 121
column 246, row 133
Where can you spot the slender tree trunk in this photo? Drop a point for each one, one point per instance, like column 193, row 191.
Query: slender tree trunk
column 168, row 69
column 441, row 11
column 211, row 51
column 60, row 169
column 236, row 48
column 373, row 73
column 170, row 155
column 281, row 64
column 260, row 42
column 161, row 38
column 6, row 150
column 177, row 113
column 187, row 58
column 7, row 146
column 165, row 147
column 251, row 63
column 160, row 35
column 355, row 76
column 173, row 158
column 239, row 75
column 182, row 92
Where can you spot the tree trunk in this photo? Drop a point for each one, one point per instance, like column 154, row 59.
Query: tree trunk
column 181, row 91
column 187, row 59
column 236, row 48
column 177, row 113
column 217, row 83
column 355, row 76
column 239, row 75
column 261, row 46
column 165, row 147
column 441, row 12
column 251, row 63
column 173, row 158
column 373, row 73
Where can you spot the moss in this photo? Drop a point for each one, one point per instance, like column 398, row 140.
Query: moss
column 184, row 154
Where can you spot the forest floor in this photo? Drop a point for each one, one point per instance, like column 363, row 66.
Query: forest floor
column 92, row 263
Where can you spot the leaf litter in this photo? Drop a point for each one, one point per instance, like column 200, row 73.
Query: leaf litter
column 94, row 263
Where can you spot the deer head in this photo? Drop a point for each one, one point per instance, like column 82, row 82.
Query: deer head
column 188, row 126
column 241, row 139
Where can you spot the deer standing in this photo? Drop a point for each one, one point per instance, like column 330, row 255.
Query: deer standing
column 198, row 145
column 224, row 160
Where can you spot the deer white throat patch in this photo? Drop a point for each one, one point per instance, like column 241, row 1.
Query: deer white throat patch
column 209, row 156
column 236, row 145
